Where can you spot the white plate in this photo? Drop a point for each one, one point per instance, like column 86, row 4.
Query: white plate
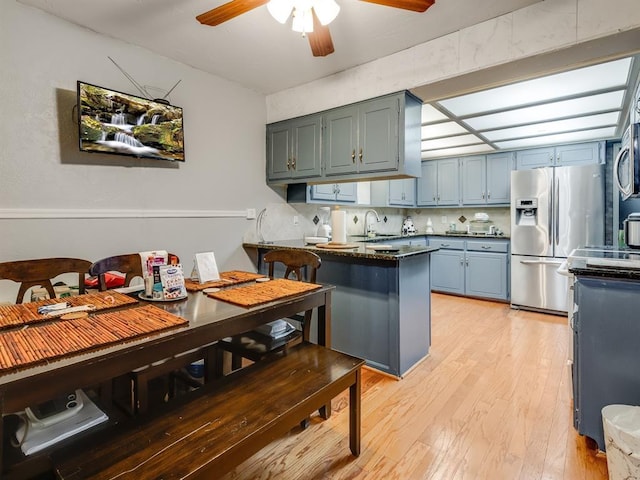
column 142, row 296
column 383, row 247
column 211, row 290
column 314, row 240
column 262, row 279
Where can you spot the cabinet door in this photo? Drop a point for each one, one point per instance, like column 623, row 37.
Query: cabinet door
column 427, row 184
column 447, row 271
column 340, row 141
column 474, row 182
column 306, row 134
column 499, row 166
column 535, row 157
column 448, row 182
column 347, row 192
column 486, row 275
column 279, row 151
column 579, row 154
column 378, row 135
column 402, row 192
column 326, row 191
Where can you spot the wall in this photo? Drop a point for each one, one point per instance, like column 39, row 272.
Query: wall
column 56, row 201
column 549, row 35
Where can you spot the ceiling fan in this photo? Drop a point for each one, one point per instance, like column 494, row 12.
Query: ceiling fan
column 310, row 17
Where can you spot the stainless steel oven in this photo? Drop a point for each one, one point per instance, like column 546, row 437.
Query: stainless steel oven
column 626, row 168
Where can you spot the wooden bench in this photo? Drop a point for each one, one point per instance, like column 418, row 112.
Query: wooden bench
column 223, row 424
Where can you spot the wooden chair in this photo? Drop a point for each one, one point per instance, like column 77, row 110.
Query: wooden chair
column 256, row 346
column 39, row 272
column 138, row 402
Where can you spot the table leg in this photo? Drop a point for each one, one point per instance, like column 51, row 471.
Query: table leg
column 324, row 338
column 354, row 416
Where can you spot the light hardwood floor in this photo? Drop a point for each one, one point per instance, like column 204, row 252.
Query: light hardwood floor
column 492, row 401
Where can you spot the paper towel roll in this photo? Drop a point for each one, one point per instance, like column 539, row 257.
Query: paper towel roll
column 339, row 226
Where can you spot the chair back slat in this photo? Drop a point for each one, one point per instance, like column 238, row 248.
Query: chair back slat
column 39, row 272
column 130, row 264
column 297, row 262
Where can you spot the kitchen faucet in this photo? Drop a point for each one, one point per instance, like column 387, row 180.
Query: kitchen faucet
column 366, row 226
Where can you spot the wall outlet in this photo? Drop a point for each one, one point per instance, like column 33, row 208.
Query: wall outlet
column 296, row 221
column 251, row 213
column 443, row 219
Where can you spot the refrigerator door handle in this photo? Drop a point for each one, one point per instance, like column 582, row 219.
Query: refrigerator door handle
column 556, row 214
column 541, row 262
column 626, row 191
column 550, row 213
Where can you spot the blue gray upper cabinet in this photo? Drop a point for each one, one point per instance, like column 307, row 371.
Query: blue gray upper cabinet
column 373, row 139
column 373, row 136
column 486, row 179
column 439, row 184
column 333, row 192
column 573, row 154
column 293, row 148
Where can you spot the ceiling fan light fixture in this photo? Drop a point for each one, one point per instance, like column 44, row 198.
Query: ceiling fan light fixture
column 302, row 20
column 326, row 10
column 280, row 9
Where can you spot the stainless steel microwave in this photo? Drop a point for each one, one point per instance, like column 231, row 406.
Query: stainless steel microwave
column 626, row 168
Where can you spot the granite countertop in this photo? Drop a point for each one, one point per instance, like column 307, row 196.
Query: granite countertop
column 468, row 235
column 360, row 249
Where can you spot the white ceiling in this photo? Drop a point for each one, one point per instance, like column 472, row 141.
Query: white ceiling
column 256, row 51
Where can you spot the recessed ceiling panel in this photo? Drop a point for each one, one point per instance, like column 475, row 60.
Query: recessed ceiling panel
column 454, row 152
column 558, row 126
column 584, row 135
column 447, row 142
column 547, row 112
column 442, row 130
column 595, row 78
column 430, row 114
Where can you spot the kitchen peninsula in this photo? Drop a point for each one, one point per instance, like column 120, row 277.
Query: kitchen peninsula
column 381, row 305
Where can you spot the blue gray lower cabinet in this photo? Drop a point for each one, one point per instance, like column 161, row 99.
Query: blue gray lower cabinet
column 381, row 309
column 605, row 350
column 475, row 267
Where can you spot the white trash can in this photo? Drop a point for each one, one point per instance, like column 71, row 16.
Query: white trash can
column 622, row 441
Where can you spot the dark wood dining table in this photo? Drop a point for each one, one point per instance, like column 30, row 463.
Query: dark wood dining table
column 208, row 320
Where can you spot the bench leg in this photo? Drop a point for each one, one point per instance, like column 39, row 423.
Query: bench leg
column 325, row 411
column 354, row 416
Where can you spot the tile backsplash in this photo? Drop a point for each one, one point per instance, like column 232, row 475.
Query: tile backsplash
column 279, row 220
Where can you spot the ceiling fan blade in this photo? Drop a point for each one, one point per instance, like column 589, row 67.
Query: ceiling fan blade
column 413, row 5
column 228, row 11
column 320, row 39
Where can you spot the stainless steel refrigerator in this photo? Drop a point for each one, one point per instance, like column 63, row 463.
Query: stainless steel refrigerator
column 553, row 211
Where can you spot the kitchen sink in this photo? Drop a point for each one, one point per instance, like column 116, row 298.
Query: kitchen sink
column 376, row 237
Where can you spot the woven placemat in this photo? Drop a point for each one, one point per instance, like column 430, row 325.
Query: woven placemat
column 233, row 277
column 26, row 313
column 258, row 293
column 39, row 344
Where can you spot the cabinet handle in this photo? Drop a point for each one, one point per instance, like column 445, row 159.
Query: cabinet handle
column 293, row 163
column 486, row 247
column 461, row 261
column 337, row 188
column 483, row 195
column 488, row 195
column 467, row 261
column 360, row 155
column 289, row 164
column 438, row 197
column 353, row 155
column 444, row 244
column 434, row 198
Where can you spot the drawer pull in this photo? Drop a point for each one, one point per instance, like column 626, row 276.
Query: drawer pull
column 486, row 247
